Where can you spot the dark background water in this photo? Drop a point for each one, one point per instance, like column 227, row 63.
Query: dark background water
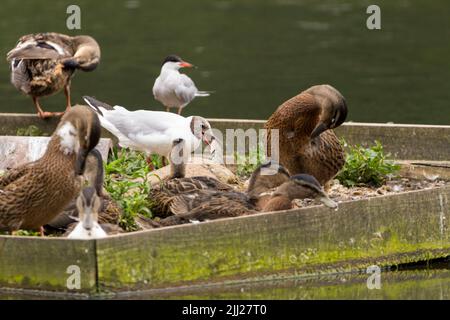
column 254, row 54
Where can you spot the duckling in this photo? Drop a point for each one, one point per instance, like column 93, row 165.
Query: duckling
column 162, row 194
column 31, row 195
column 43, row 64
column 109, row 211
column 88, row 204
column 306, row 145
column 209, row 205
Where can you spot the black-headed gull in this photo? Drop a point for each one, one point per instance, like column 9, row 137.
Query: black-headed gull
column 174, row 89
column 152, row 132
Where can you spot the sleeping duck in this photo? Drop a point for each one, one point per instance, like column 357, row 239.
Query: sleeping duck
column 43, row 64
column 209, row 204
column 161, row 194
column 203, row 198
column 32, row 194
column 306, row 143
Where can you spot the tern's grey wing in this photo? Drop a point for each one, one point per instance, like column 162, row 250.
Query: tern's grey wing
column 186, row 89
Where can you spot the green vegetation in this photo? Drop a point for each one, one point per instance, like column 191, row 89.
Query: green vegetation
column 246, row 164
column 27, row 233
column 30, row 131
column 126, row 182
column 366, row 166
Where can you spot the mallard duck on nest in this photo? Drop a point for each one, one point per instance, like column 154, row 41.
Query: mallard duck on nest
column 187, row 199
column 306, row 143
column 32, row 194
column 43, row 64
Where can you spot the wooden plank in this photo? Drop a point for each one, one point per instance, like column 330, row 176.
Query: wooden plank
column 384, row 230
column 429, row 170
column 16, row 150
column 429, row 141
column 10, row 122
column 403, row 141
column 42, row 263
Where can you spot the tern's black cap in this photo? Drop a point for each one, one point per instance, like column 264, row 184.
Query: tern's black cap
column 172, row 58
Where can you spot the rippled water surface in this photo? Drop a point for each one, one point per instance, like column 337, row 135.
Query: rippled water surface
column 253, row 53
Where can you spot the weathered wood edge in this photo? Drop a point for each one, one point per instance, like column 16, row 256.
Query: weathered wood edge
column 385, row 230
column 403, row 141
column 42, row 264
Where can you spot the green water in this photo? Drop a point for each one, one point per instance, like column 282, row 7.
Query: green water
column 254, row 54
column 411, row 284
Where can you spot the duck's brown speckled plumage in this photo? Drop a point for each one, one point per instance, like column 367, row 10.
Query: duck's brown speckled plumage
column 43, row 64
column 162, row 195
column 210, row 204
column 33, row 194
column 109, row 211
column 299, row 120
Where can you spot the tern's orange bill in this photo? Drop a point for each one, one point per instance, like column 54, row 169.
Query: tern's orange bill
column 185, row 64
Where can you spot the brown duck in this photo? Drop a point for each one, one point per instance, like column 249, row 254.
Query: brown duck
column 108, row 210
column 306, row 145
column 43, row 64
column 162, row 194
column 213, row 204
column 31, row 195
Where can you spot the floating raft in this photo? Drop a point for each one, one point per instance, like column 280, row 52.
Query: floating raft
column 387, row 230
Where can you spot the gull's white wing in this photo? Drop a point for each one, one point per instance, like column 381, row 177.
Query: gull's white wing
column 149, row 131
column 143, row 121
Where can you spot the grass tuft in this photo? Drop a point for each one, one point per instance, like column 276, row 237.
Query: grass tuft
column 246, row 164
column 366, row 166
column 126, row 182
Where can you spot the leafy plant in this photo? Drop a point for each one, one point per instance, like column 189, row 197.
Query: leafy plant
column 31, row 131
column 27, row 233
column 246, row 164
column 126, row 182
column 366, row 166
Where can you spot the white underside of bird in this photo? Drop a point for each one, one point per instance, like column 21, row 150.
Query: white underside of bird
column 174, row 89
column 152, row 132
column 80, row 232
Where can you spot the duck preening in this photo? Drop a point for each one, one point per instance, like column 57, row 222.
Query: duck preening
column 108, row 212
column 32, row 194
column 88, row 204
column 174, row 89
column 152, row 132
column 306, row 143
column 43, row 64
